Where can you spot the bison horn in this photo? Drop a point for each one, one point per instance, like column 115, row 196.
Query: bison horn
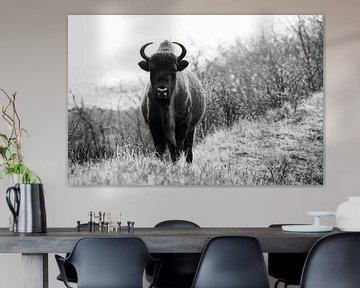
column 142, row 51
column 183, row 51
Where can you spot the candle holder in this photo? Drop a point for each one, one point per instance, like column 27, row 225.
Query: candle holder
column 315, row 227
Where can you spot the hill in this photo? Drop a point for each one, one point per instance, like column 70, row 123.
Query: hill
column 284, row 151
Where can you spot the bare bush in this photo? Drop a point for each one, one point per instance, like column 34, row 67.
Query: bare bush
column 95, row 133
column 281, row 171
column 273, row 71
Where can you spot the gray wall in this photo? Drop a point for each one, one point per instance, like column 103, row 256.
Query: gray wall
column 33, row 62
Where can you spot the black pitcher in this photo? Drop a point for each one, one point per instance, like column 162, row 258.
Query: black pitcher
column 28, row 207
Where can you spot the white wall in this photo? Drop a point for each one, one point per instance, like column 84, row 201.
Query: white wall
column 33, row 62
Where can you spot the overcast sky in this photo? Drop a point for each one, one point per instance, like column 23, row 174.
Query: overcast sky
column 104, row 49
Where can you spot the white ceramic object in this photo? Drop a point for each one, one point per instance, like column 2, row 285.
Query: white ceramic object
column 321, row 213
column 316, row 227
column 306, row 228
column 318, row 214
column 348, row 214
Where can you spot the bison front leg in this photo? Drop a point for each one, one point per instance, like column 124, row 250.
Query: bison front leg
column 160, row 150
column 159, row 140
column 181, row 136
column 174, row 152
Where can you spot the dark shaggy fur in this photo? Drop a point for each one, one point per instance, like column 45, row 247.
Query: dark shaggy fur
column 173, row 103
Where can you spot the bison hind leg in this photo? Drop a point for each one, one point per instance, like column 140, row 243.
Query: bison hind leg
column 188, row 146
column 189, row 156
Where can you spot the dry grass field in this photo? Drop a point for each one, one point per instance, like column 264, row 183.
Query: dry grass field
column 262, row 152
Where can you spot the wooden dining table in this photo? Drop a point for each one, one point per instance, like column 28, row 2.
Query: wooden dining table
column 35, row 247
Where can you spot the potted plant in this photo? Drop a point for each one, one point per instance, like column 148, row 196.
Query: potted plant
column 26, row 197
column 12, row 161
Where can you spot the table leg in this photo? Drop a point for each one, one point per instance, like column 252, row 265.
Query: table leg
column 35, row 270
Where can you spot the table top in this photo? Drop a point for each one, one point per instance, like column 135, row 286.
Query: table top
column 158, row 240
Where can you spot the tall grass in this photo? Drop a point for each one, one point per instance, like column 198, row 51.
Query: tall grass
column 286, row 152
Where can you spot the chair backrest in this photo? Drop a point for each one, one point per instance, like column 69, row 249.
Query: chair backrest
column 178, row 269
column 286, row 267
column 232, row 262
column 333, row 262
column 176, row 224
column 110, row 262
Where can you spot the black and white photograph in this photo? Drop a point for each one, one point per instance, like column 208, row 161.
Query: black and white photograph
column 195, row 100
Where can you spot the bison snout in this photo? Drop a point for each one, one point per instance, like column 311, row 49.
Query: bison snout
column 162, row 92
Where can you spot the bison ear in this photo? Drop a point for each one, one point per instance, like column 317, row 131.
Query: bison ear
column 182, row 64
column 144, row 65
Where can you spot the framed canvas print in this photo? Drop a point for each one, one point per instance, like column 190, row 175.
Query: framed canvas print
column 195, row 100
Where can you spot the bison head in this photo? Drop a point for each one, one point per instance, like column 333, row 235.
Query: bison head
column 163, row 65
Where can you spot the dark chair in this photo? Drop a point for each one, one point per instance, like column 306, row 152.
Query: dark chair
column 70, row 273
column 176, row 224
column 286, row 267
column 333, row 262
column 108, row 262
column 178, row 269
column 232, row 262
column 69, row 269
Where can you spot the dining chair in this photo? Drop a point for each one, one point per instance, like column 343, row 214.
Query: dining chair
column 108, row 263
column 285, row 267
column 69, row 269
column 178, row 269
column 231, row 262
column 333, row 262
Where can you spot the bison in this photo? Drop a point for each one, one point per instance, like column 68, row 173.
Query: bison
column 173, row 103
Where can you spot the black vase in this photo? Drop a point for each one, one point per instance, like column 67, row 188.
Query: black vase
column 28, row 208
